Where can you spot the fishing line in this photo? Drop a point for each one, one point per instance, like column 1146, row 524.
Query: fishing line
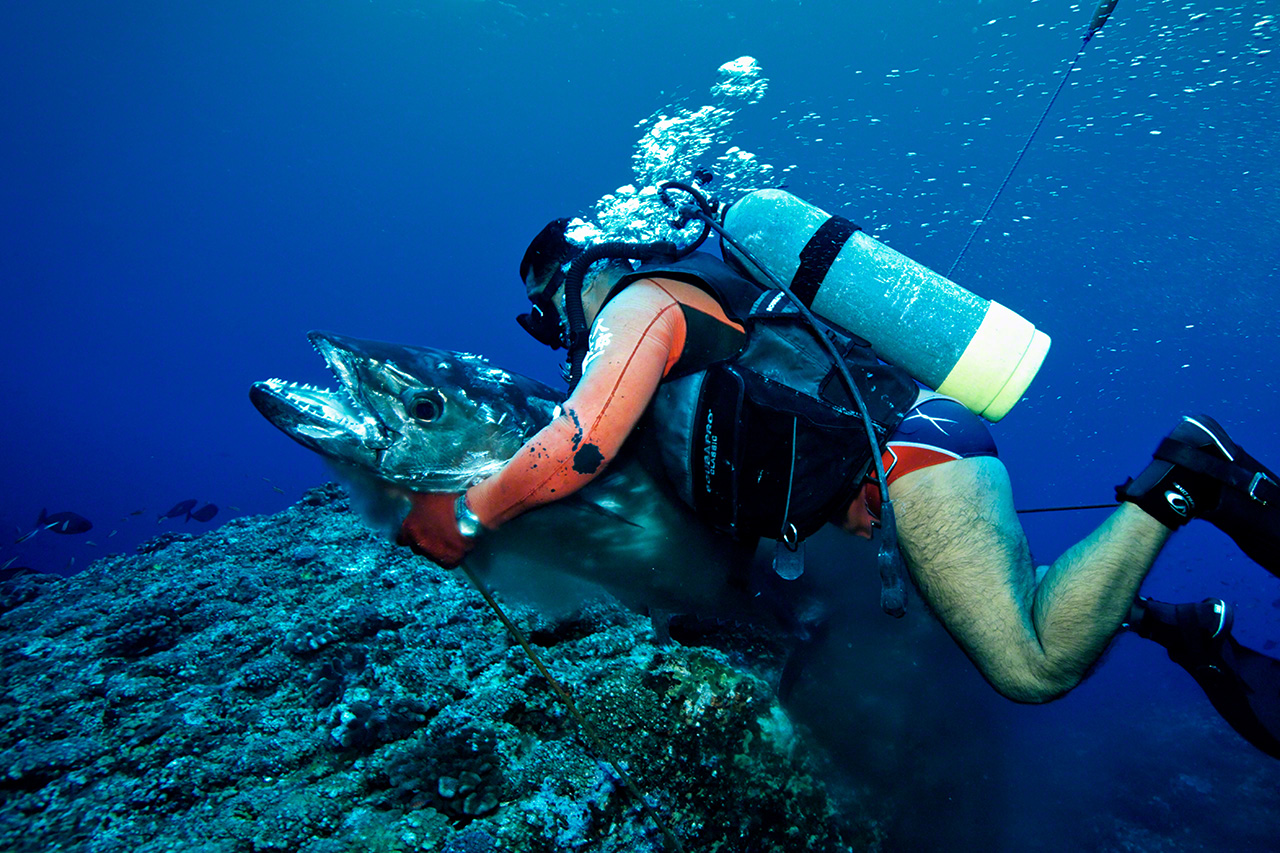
column 598, row 746
column 1066, row 508
column 1100, row 16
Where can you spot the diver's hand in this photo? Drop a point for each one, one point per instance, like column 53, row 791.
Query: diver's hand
column 431, row 529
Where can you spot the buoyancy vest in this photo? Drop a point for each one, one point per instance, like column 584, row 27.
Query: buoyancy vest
column 755, row 430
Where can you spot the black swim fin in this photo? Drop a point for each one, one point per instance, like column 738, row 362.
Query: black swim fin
column 1242, row 684
column 1199, row 472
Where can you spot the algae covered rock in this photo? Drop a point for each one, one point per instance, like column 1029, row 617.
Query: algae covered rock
column 294, row 683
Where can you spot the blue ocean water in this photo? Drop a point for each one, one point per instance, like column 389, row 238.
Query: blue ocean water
column 187, row 189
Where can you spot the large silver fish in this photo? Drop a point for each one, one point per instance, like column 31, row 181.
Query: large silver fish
column 409, row 418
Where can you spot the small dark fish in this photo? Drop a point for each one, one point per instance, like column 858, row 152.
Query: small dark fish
column 65, row 522
column 68, row 523
column 183, row 508
column 10, row 571
column 278, row 489
column 137, row 512
column 205, row 512
column 1268, row 645
column 1276, row 603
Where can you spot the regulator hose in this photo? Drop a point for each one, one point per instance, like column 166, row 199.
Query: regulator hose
column 574, row 311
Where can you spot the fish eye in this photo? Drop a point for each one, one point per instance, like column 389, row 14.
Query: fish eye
column 425, row 406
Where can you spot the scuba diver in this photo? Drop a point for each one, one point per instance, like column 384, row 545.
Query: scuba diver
column 663, row 351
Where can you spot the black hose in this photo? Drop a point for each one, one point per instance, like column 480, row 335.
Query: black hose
column 706, row 210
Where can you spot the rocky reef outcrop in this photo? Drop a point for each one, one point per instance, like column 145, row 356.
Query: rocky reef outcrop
column 295, row 683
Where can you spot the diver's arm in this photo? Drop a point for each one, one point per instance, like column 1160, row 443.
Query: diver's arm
column 636, row 339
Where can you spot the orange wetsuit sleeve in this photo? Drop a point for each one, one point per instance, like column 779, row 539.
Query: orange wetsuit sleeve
column 635, row 340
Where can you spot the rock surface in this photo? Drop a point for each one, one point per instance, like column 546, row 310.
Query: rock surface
column 294, row 683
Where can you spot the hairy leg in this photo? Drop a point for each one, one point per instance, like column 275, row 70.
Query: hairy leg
column 968, row 554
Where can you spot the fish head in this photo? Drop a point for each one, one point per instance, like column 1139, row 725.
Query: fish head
column 424, row 419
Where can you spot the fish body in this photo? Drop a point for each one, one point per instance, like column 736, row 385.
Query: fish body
column 10, row 571
column 416, row 419
column 65, row 523
column 204, row 513
column 179, row 510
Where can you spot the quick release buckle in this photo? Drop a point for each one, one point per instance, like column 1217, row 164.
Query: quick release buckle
column 1259, row 478
column 893, row 464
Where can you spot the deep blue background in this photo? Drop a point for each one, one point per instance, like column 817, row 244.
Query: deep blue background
column 186, row 189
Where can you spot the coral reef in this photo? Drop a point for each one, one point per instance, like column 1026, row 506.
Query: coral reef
column 294, row 683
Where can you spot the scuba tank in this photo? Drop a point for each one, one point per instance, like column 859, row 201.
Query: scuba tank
column 977, row 351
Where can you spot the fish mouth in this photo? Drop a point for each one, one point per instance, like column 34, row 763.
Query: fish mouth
column 318, row 416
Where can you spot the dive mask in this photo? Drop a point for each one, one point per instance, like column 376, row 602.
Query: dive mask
column 543, row 321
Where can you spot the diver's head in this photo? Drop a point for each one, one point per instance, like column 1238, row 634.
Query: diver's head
column 544, row 268
column 543, row 271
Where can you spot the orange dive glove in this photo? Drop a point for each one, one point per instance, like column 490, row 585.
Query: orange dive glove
column 431, row 529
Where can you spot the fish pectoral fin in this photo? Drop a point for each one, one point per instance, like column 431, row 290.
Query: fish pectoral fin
column 660, row 619
column 603, row 511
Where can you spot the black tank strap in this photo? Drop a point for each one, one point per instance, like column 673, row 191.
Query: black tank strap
column 818, row 255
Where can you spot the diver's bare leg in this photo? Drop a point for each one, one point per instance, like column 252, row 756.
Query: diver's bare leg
column 968, row 553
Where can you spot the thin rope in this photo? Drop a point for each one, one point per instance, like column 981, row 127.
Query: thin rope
column 977, row 225
column 1066, row 508
column 598, row 746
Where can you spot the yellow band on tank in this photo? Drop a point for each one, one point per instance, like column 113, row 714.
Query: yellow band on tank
column 1021, row 378
column 998, row 364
